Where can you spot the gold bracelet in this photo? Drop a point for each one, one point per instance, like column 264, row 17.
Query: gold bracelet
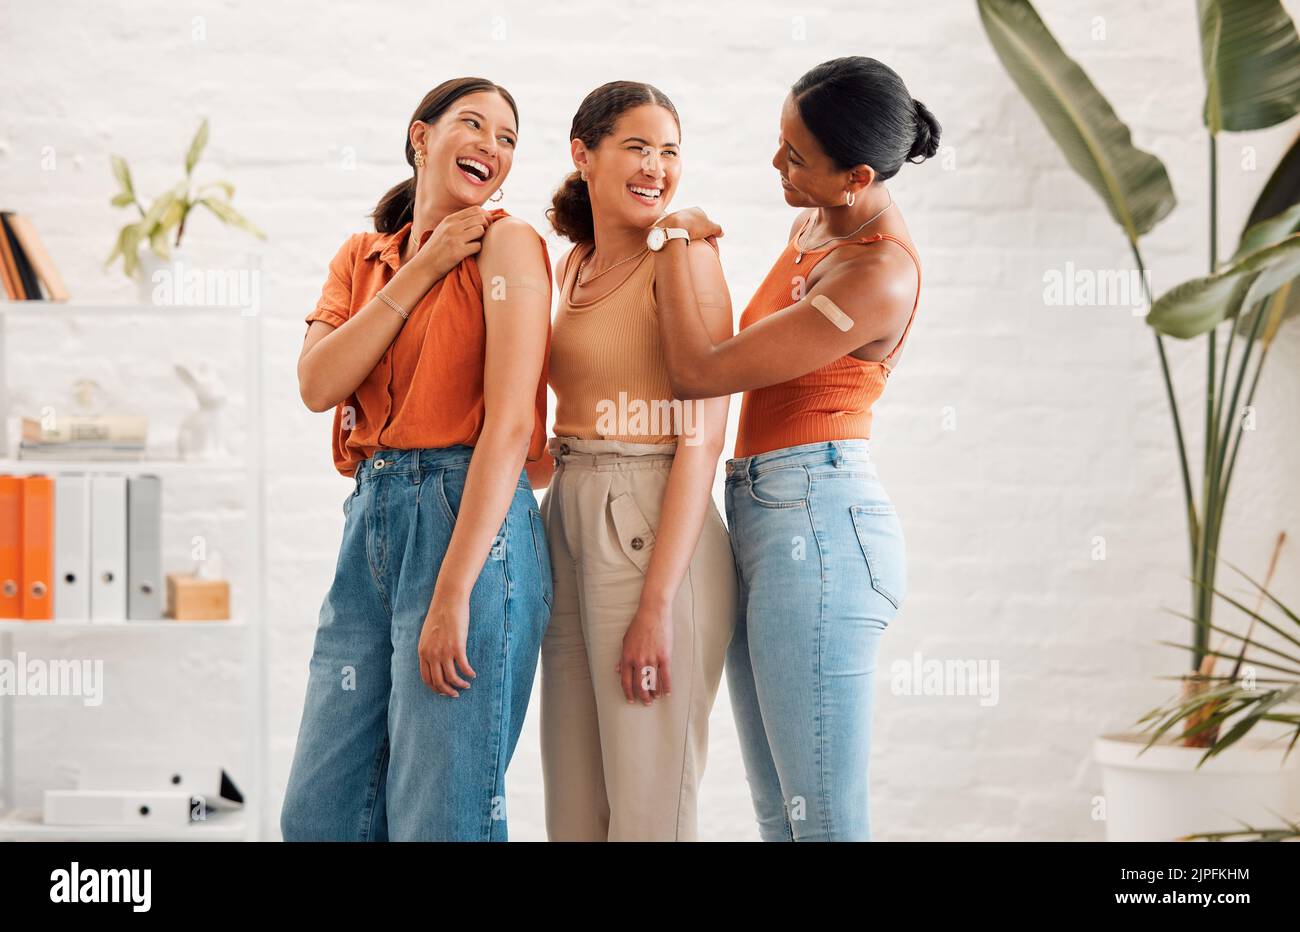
column 391, row 303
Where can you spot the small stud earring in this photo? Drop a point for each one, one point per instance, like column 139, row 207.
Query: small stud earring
column 419, row 159
column 849, row 198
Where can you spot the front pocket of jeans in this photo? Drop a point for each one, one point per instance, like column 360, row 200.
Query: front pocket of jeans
column 451, row 486
column 635, row 536
column 880, row 535
column 783, row 487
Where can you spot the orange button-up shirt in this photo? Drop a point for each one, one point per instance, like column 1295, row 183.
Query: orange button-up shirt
column 427, row 388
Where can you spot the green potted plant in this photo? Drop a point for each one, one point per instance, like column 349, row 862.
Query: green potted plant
column 1251, row 61
column 1262, row 685
column 168, row 212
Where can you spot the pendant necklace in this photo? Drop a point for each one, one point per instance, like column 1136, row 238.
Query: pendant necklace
column 802, row 252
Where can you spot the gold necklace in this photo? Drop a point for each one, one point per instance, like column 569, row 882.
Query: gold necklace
column 583, row 264
column 802, row 252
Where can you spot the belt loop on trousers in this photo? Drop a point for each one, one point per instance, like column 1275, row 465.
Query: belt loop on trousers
column 837, row 454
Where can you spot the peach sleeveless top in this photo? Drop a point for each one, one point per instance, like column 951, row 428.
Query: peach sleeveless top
column 607, row 367
column 830, row 403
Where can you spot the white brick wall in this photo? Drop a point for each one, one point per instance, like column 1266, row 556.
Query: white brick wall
column 1061, row 428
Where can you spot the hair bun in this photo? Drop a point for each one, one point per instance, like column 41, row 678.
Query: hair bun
column 927, row 134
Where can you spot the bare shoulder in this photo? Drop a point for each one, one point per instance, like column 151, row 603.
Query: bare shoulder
column 510, row 242
column 510, row 233
column 882, row 272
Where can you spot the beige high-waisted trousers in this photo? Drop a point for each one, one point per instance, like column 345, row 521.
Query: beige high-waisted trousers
column 617, row 771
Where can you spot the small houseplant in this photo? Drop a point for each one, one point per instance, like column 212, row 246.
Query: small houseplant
column 169, row 211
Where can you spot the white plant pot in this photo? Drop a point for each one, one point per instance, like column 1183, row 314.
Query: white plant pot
column 1160, row 795
column 151, row 262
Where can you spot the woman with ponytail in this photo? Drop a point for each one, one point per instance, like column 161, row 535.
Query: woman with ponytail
column 644, row 579
column 819, row 546
column 430, row 343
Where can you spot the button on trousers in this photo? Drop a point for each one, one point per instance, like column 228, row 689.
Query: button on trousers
column 615, row 770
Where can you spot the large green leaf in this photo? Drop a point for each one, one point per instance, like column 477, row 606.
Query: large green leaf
column 1133, row 184
column 1199, row 305
column 1267, row 232
column 1276, row 214
column 1282, row 188
column 1285, row 302
column 1251, row 57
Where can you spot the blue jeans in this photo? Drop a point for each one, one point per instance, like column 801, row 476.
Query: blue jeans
column 380, row 755
column 822, row 571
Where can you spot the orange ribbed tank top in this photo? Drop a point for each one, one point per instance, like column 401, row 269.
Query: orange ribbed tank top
column 830, row 403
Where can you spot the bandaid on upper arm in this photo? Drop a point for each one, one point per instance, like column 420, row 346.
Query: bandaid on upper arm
column 527, row 282
column 830, row 310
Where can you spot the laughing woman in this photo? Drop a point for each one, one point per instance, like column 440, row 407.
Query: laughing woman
column 644, row 579
column 430, row 341
column 819, row 547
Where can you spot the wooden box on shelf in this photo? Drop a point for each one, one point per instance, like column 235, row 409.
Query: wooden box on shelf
column 190, row 598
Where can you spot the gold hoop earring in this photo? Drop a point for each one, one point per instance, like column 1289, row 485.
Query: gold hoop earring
column 583, row 173
column 495, row 198
column 419, row 159
column 849, row 198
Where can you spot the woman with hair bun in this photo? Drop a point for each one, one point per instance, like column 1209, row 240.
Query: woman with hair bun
column 818, row 544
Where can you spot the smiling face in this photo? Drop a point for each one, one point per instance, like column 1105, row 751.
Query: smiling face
column 632, row 173
column 469, row 150
column 808, row 176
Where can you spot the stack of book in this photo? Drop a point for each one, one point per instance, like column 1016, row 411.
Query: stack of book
column 25, row 267
column 84, row 437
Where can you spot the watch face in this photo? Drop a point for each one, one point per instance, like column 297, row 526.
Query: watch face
column 656, row 239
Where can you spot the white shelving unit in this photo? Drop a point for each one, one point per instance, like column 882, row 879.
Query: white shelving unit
column 248, row 612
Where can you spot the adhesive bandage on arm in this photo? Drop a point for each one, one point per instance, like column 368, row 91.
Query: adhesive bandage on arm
column 499, row 286
column 710, row 299
column 831, row 312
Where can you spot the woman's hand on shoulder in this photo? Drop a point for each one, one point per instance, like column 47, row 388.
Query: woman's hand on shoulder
column 694, row 221
column 458, row 235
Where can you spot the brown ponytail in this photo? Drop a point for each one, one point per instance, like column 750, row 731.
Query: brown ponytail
column 570, row 210
column 397, row 207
